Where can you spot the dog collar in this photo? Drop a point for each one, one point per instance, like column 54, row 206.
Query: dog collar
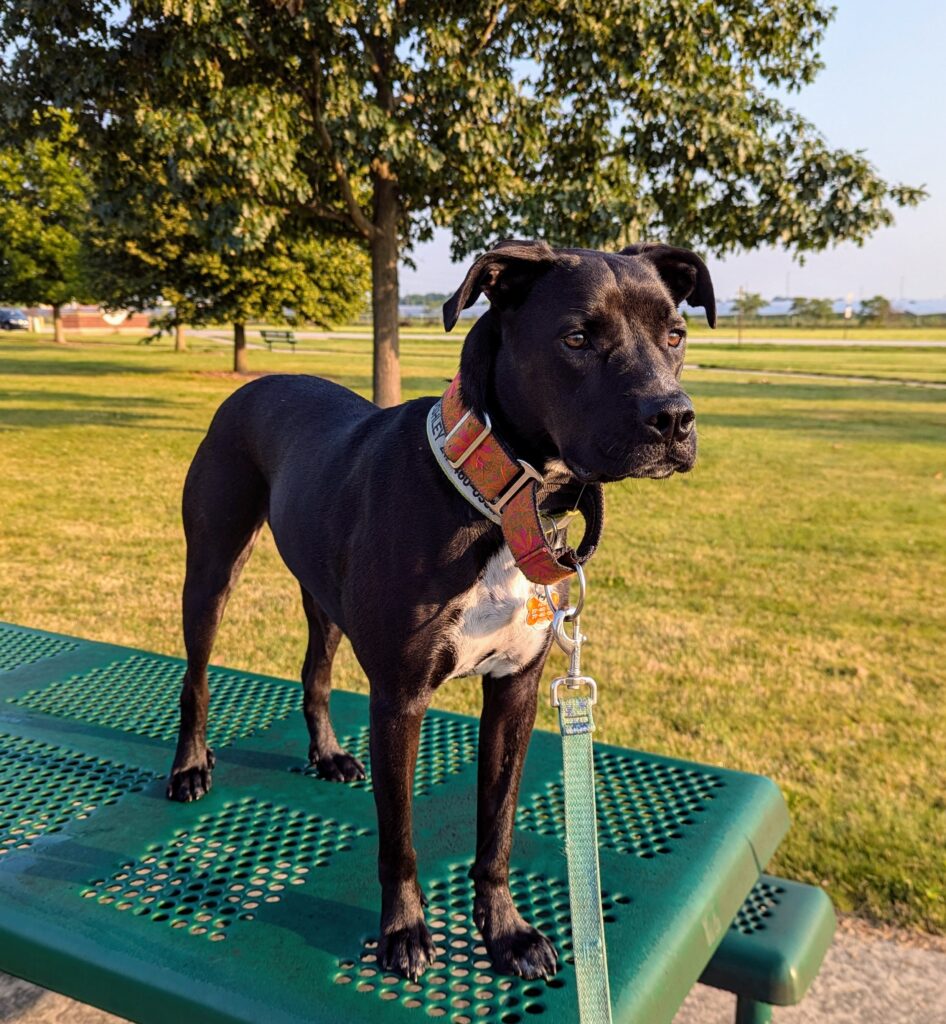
column 506, row 490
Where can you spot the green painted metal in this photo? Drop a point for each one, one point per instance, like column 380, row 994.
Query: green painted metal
column 748, row 1011
column 260, row 902
column 774, row 947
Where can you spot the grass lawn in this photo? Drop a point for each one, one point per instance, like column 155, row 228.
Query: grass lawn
column 781, row 609
column 727, row 328
column 926, row 364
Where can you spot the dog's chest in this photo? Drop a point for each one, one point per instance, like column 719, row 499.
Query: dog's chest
column 493, row 633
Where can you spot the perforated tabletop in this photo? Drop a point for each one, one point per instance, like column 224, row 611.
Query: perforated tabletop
column 260, row 902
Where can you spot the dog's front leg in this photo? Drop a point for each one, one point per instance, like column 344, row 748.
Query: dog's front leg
column 509, row 706
column 406, row 945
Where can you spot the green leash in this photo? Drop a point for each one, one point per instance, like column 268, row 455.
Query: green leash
column 576, row 722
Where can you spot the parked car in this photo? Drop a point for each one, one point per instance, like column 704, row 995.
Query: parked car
column 14, row 320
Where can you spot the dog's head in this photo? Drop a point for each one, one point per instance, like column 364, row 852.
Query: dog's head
column 579, row 356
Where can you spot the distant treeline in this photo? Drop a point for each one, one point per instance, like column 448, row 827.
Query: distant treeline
column 752, row 308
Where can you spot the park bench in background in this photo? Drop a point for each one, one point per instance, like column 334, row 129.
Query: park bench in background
column 284, row 336
column 259, row 902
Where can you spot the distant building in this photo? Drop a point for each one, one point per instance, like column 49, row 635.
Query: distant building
column 93, row 318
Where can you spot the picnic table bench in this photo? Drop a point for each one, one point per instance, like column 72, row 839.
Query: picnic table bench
column 260, row 903
column 273, row 336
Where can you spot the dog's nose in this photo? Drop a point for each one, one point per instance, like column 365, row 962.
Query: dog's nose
column 672, row 417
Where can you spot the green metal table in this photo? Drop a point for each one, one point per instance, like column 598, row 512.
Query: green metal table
column 260, row 903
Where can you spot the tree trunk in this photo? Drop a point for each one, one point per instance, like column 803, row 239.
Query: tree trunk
column 59, row 335
column 384, row 287
column 239, row 348
column 180, row 338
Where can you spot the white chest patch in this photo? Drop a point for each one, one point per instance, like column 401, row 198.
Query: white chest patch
column 492, row 634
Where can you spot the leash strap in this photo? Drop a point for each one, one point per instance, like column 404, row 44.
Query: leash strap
column 581, row 847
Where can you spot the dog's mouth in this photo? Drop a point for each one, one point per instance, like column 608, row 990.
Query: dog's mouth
column 649, row 462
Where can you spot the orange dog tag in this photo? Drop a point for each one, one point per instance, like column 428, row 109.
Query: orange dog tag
column 538, row 612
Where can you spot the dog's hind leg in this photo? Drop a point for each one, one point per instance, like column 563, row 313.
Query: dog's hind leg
column 325, row 753
column 224, row 509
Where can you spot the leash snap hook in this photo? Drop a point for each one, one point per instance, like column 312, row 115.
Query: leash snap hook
column 572, row 611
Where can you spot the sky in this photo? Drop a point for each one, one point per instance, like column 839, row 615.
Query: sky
column 881, row 91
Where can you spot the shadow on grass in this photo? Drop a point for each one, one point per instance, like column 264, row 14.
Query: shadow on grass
column 18, row 410
column 18, row 396
column 886, row 414
column 857, row 425
column 757, row 390
column 23, row 366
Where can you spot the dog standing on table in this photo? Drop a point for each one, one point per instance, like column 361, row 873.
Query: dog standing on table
column 420, row 517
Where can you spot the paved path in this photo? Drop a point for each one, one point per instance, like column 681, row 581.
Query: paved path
column 865, row 980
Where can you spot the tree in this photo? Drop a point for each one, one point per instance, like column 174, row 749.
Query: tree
column 147, row 243
column 44, row 198
column 588, row 124
column 812, row 311
column 877, row 309
column 748, row 304
column 426, row 299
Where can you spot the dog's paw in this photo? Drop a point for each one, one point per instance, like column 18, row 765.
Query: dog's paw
column 524, row 951
column 191, row 782
column 338, row 767
column 408, row 951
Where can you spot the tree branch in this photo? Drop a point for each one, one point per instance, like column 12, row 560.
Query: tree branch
column 318, row 210
column 488, row 31
column 357, row 215
column 334, row 216
column 379, row 65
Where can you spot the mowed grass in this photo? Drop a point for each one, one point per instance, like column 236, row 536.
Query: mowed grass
column 780, row 610
column 918, row 364
column 906, row 331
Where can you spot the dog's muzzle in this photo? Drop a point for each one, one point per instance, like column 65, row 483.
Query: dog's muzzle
column 670, row 418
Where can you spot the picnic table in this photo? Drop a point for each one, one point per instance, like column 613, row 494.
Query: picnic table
column 260, row 901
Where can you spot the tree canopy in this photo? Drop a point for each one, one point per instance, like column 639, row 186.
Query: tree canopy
column 147, row 243
column 44, row 201
column 878, row 308
column 748, row 304
column 813, row 311
column 585, row 124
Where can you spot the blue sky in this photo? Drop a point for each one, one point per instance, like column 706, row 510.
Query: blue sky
column 882, row 91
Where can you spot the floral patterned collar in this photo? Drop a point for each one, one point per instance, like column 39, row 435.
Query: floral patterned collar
column 506, row 490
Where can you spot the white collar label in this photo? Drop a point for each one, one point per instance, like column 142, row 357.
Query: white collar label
column 436, row 436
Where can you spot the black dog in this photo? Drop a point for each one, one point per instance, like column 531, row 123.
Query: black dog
column 577, row 362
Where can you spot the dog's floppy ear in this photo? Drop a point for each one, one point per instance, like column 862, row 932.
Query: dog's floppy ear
column 682, row 271
column 503, row 275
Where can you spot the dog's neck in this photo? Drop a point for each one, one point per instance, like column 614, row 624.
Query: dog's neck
column 509, row 491
column 485, row 392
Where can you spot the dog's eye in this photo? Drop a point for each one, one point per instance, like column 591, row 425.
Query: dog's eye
column 675, row 335
column 575, row 340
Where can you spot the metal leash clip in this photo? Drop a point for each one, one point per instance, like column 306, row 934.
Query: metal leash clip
column 571, row 645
